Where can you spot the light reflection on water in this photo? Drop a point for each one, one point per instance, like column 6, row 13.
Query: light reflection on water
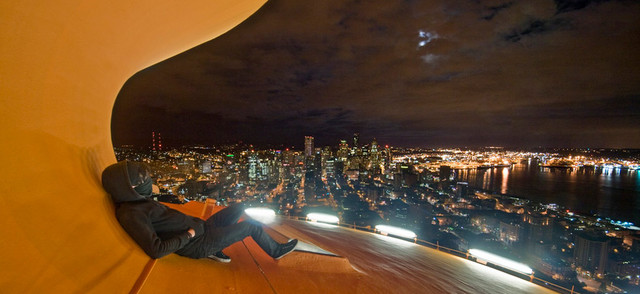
column 610, row 192
column 505, row 180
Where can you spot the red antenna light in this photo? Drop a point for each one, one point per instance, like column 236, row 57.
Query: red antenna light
column 153, row 141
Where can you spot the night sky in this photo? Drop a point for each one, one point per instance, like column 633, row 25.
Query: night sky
column 435, row 73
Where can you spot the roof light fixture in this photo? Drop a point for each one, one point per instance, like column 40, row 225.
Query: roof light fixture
column 322, row 217
column 501, row 261
column 261, row 214
column 395, row 231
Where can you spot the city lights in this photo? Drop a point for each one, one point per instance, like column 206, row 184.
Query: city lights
column 500, row 261
column 322, row 217
column 373, row 185
column 395, row 231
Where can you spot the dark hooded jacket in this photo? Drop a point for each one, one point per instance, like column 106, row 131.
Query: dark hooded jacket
column 158, row 230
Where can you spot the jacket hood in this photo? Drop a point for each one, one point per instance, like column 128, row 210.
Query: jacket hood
column 117, row 181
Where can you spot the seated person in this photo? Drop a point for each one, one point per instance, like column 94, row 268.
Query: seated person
column 160, row 230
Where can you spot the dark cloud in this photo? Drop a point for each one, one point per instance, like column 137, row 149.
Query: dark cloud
column 535, row 27
column 429, row 73
column 570, row 5
column 494, row 10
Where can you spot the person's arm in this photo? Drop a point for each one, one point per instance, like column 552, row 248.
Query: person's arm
column 196, row 224
column 138, row 226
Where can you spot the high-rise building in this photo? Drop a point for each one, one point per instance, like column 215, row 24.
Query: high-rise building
column 264, row 169
column 253, row 167
column 591, row 252
column 540, row 233
column 308, row 146
column 387, row 157
column 356, row 138
column 325, row 155
column 462, row 189
column 445, row 172
column 343, row 150
column 329, row 169
column 374, row 146
column 288, row 158
column 510, row 232
column 374, row 156
column 317, row 162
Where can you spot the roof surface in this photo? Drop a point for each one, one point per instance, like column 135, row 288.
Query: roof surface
column 366, row 263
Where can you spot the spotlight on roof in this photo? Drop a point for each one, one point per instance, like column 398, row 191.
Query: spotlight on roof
column 395, row 231
column 261, row 214
column 500, row 261
column 322, row 217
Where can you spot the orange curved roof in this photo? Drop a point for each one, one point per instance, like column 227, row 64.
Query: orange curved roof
column 62, row 64
column 365, row 263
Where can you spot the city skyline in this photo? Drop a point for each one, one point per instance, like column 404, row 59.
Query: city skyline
column 429, row 74
column 459, row 200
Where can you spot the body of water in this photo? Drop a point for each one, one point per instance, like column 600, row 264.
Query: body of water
column 613, row 193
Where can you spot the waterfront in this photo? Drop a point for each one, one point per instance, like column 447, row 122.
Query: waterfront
column 609, row 192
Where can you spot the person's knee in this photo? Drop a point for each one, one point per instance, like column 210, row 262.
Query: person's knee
column 238, row 206
column 252, row 226
column 236, row 209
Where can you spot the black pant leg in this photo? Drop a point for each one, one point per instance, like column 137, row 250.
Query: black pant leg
column 226, row 216
column 225, row 236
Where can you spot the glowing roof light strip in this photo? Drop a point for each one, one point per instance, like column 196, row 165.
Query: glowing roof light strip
column 261, row 214
column 259, row 211
column 400, row 232
column 501, row 261
column 323, row 217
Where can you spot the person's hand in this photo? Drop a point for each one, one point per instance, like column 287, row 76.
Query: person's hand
column 191, row 232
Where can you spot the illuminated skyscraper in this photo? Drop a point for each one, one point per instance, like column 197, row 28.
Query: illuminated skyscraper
column 326, row 154
column 253, row 167
column 356, row 138
column 343, row 150
column 387, row 157
column 308, row 146
column 329, row 170
column 374, row 155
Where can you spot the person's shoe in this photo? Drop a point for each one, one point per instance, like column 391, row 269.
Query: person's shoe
column 221, row 257
column 286, row 248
